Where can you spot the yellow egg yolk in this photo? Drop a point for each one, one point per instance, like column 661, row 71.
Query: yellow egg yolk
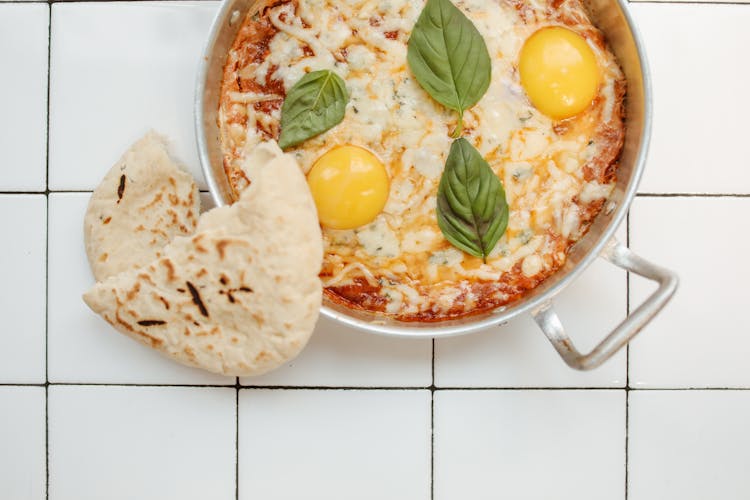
column 559, row 72
column 350, row 187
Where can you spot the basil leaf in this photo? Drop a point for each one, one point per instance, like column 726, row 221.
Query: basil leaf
column 471, row 208
column 313, row 105
column 448, row 57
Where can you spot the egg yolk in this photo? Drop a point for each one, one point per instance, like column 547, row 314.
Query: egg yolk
column 350, row 187
column 559, row 72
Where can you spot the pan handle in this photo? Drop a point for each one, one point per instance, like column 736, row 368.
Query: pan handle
column 621, row 256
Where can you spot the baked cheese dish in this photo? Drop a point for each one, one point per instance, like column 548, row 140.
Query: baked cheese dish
column 556, row 172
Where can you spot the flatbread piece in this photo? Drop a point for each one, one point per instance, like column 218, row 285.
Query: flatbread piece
column 242, row 295
column 143, row 202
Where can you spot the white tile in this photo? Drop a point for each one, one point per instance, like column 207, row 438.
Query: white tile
column 690, row 445
column 700, row 97
column 23, row 224
column 700, row 339
column 22, row 454
column 141, row 442
column 24, row 36
column 519, row 355
column 334, row 445
column 341, row 356
column 82, row 346
column 559, row 444
column 119, row 69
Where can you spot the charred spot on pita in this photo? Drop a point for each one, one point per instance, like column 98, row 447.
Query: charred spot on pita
column 197, row 299
column 152, row 322
column 121, row 188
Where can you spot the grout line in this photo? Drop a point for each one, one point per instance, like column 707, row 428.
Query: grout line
column 46, row 345
column 20, row 384
column 70, row 191
column 112, row 1
column 627, row 303
column 627, row 438
column 501, row 388
column 629, row 389
column 43, row 192
column 669, row 389
column 432, row 425
column 125, row 384
column 49, row 78
column 433, row 364
column 432, row 445
column 333, row 388
column 237, row 438
column 46, row 442
column 46, row 263
column 627, row 355
column 367, row 388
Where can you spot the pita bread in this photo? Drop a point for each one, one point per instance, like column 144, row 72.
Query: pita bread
column 242, row 295
column 143, row 202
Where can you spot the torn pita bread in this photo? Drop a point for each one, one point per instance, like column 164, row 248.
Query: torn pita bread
column 242, row 295
column 143, row 202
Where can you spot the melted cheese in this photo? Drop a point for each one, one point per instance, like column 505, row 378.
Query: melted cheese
column 379, row 240
column 542, row 169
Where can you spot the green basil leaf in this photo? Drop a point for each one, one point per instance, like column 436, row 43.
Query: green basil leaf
column 313, row 105
column 471, row 208
column 448, row 57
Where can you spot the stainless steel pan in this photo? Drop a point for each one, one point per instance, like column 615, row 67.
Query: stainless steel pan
column 611, row 16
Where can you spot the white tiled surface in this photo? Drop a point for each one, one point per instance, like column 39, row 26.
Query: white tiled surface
column 22, row 446
column 530, row 444
column 703, row 340
column 340, row 356
column 117, row 69
column 689, row 445
column 334, row 444
column 22, row 298
column 700, row 97
column 121, row 67
column 23, row 96
column 149, row 443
